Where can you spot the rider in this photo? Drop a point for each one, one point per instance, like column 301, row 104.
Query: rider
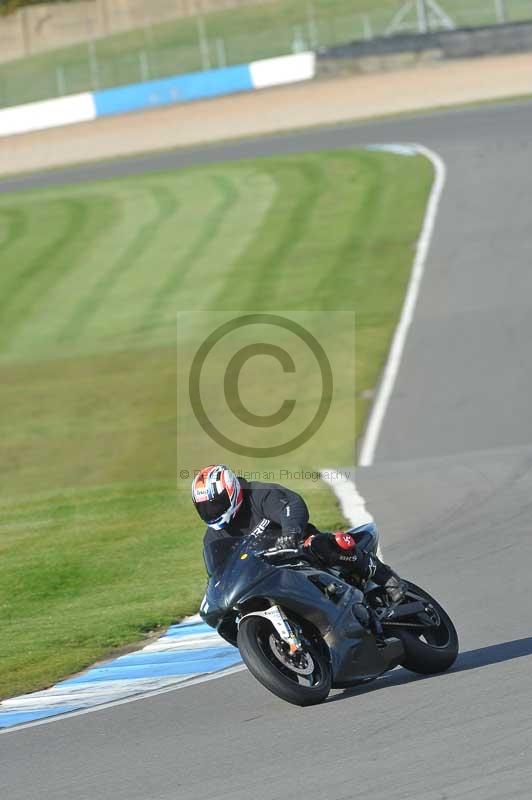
column 234, row 507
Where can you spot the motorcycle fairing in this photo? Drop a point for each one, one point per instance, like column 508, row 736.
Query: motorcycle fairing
column 299, row 591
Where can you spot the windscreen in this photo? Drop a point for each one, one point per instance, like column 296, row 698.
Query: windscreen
column 217, row 552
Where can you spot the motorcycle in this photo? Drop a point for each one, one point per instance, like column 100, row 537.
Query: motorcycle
column 303, row 630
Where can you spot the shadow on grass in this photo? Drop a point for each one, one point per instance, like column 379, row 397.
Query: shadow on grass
column 471, row 659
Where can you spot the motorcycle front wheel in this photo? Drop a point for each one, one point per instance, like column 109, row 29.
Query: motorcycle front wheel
column 303, row 678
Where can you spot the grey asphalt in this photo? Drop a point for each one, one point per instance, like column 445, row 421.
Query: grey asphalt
column 452, row 491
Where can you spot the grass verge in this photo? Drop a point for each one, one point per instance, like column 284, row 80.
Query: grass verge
column 96, row 548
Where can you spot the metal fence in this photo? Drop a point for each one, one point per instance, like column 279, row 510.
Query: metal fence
column 92, row 66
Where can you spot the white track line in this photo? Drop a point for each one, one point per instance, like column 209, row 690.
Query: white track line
column 371, row 436
column 352, row 504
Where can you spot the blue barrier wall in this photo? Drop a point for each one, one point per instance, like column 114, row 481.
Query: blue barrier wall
column 179, row 89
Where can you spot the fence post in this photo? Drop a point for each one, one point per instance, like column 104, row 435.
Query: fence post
column 220, row 52
column 368, row 30
column 500, row 11
column 422, row 19
column 144, row 66
column 93, row 64
column 203, row 43
column 60, row 80
column 26, row 34
column 298, row 42
column 332, row 30
column 312, row 27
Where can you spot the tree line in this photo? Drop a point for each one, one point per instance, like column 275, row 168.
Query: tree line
column 7, row 6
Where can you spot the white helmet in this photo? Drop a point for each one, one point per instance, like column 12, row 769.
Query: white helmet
column 217, row 495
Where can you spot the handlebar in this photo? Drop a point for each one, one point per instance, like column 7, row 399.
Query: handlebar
column 273, row 552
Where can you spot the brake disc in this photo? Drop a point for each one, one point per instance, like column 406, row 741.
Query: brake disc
column 304, row 665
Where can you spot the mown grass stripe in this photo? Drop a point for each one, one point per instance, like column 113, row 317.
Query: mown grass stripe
column 101, row 244
column 295, row 228
column 309, row 263
column 16, row 227
column 248, row 273
column 212, row 222
column 46, row 265
column 166, row 207
column 351, row 259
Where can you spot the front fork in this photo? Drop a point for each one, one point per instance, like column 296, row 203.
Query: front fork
column 282, row 625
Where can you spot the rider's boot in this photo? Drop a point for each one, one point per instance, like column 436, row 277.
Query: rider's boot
column 369, row 620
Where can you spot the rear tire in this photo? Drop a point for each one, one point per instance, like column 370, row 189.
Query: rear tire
column 439, row 650
column 254, row 637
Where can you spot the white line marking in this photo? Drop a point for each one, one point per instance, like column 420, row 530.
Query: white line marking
column 352, row 504
column 371, row 436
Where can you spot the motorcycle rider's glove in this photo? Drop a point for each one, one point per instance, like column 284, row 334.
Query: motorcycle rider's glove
column 335, row 549
column 288, row 541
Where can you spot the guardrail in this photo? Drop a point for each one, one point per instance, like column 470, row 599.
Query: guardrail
column 178, row 89
column 362, row 56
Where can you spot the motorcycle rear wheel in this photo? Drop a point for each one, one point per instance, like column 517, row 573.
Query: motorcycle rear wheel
column 433, row 650
column 261, row 650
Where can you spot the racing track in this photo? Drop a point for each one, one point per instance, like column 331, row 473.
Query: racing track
column 452, row 489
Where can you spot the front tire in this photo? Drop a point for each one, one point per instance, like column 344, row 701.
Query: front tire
column 263, row 652
column 435, row 649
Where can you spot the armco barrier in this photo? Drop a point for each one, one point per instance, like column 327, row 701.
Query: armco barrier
column 178, row 89
column 47, row 114
column 285, row 69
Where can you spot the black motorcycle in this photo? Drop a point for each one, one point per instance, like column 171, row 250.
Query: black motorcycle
column 303, row 630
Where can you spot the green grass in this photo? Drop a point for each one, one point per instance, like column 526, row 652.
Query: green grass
column 96, row 547
column 260, row 31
